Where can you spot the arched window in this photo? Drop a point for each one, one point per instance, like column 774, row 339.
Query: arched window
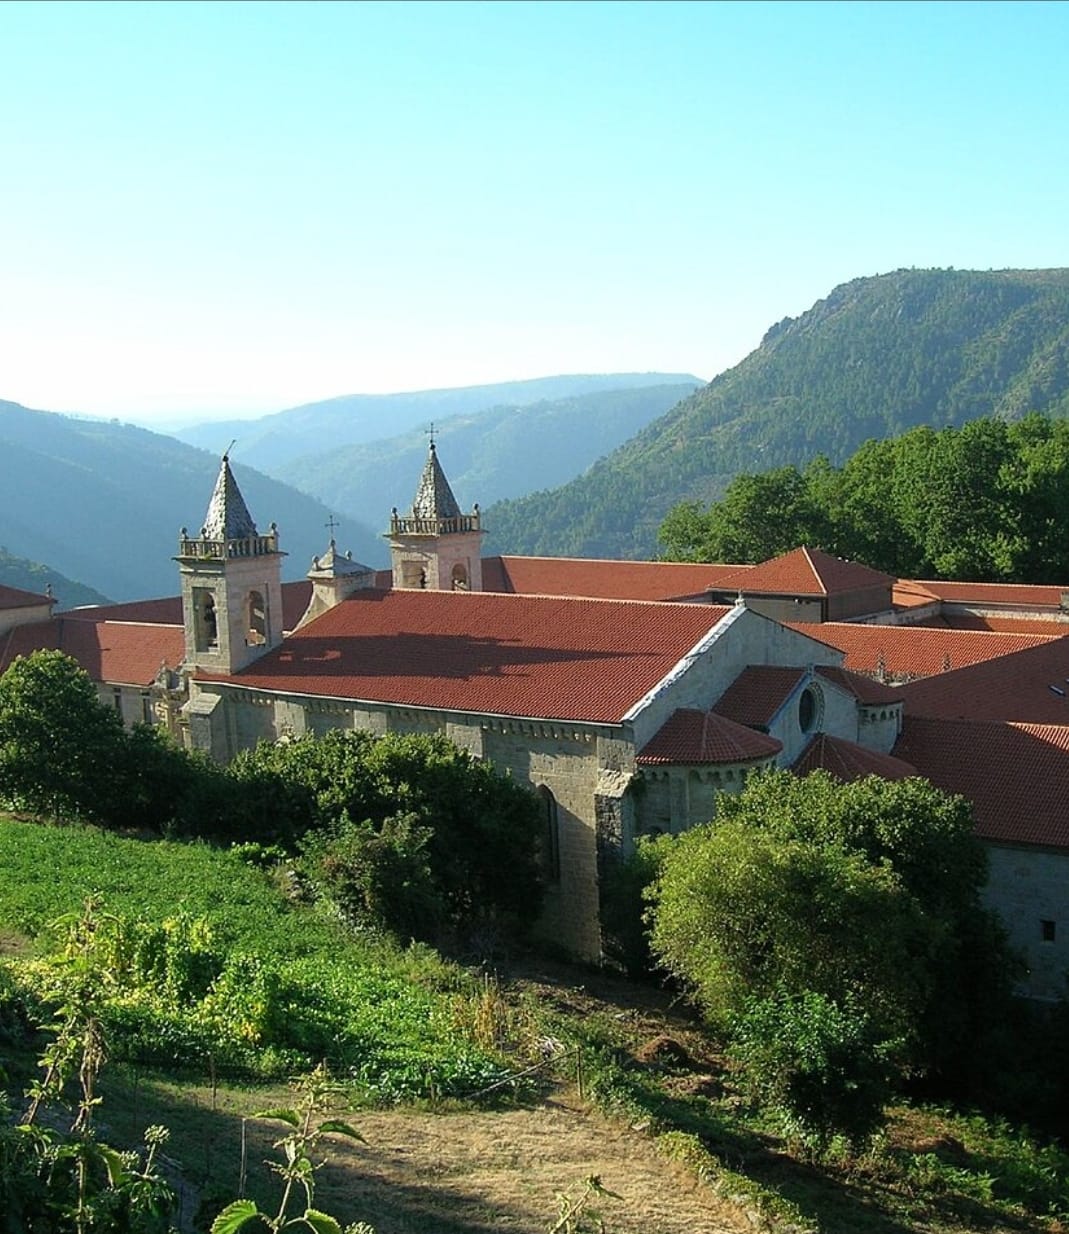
column 460, row 577
column 549, row 848
column 205, row 627
column 256, row 620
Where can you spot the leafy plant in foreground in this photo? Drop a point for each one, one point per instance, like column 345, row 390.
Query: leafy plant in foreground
column 296, row 1170
column 56, row 1181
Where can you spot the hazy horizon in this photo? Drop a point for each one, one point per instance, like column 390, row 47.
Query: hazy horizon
column 220, row 211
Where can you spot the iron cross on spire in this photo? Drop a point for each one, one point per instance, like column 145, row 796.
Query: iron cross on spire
column 430, row 434
column 333, row 526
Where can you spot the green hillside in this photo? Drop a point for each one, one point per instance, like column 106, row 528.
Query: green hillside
column 273, row 442
column 876, row 357
column 489, row 455
column 31, row 576
column 103, row 502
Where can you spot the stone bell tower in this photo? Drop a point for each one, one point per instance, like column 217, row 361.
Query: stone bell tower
column 436, row 547
column 231, row 583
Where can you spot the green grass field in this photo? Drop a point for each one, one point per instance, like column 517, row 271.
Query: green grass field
column 229, row 974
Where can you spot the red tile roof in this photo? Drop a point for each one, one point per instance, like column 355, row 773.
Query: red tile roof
column 804, row 572
column 1017, row 688
column 1004, row 625
column 847, row 761
column 604, row 580
column 124, row 653
column 567, row 659
column 15, row 597
column 700, row 737
column 164, row 612
column 1019, row 595
column 907, row 594
column 915, row 651
column 168, row 611
column 757, row 693
column 864, row 689
column 1016, row 775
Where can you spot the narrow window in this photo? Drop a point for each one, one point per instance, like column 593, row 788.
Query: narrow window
column 1047, row 931
column 257, row 620
column 549, row 849
column 116, row 699
column 205, row 630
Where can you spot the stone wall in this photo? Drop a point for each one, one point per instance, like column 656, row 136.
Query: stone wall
column 1029, row 888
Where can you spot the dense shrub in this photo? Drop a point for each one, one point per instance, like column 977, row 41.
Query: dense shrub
column 410, row 815
column 824, row 1067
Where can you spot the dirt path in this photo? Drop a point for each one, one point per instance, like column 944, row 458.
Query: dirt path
column 474, row 1172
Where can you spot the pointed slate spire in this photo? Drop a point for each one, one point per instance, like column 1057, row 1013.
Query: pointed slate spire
column 228, row 516
column 434, row 498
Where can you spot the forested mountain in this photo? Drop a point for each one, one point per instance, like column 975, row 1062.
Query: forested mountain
column 488, row 455
column 878, row 356
column 277, row 440
column 31, row 576
column 104, row 502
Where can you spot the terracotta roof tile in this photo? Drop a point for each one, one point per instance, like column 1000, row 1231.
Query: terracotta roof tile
column 1030, row 687
column 864, row 689
column 1005, row 625
column 908, row 594
column 605, row 580
column 904, row 652
column 847, row 761
column 1019, row 595
column 758, row 692
column 168, row 611
column 562, row 658
column 15, row 597
column 700, row 737
column 804, row 572
column 164, row 612
column 125, row 653
column 1016, row 775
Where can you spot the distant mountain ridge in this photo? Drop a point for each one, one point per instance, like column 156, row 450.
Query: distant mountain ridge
column 270, row 442
column 876, row 357
column 33, row 576
column 488, row 455
column 103, row 502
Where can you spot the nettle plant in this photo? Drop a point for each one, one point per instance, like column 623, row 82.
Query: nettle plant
column 296, row 1170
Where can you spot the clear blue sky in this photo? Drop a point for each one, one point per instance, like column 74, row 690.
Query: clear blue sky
column 236, row 207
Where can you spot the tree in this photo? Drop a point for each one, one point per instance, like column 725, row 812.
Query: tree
column 392, row 808
column 866, row 895
column 59, row 744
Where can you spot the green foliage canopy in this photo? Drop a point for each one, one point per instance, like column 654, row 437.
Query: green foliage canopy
column 867, row 892
column 411, row 809
column 980, row 502
column 58, row 742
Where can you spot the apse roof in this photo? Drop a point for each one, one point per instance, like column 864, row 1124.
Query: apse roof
column 847, row 761
column 695, row 737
